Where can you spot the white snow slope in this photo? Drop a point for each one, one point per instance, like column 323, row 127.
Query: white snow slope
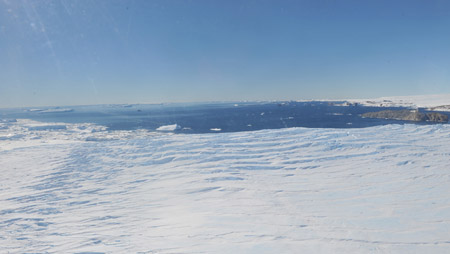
column 81, row 189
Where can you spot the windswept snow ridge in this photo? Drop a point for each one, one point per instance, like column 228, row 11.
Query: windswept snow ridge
column 85, row 189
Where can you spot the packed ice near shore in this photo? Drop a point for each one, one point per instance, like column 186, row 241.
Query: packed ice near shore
column 81, row 188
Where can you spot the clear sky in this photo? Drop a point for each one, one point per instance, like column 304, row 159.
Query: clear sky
column 149, row 51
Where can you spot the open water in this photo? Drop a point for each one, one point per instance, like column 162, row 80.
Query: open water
column 209, row 117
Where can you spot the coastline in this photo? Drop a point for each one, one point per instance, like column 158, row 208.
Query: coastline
column 435, row 102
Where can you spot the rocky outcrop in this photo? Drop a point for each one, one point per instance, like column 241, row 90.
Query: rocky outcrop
column 437, row 117
column 408, row 115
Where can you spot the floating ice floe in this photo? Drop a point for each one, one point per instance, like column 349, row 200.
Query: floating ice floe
column 171, row 127
column 51, row 110
column 8, row 120
column 47, row 127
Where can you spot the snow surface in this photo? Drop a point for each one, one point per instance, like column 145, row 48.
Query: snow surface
column 83, row 189
column 438, row 102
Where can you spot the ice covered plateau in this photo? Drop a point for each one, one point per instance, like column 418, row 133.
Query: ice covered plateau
column 78, row 188
column 435, row 102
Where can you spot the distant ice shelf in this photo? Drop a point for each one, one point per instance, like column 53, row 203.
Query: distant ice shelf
column 437, row 102
column 50, row 110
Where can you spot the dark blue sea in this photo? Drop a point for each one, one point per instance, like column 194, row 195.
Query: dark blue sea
column 209, row 117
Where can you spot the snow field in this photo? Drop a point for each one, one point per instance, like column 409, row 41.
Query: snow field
column 438, row 102
column 83, row 189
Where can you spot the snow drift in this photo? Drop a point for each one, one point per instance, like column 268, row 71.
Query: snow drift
column 378, row 189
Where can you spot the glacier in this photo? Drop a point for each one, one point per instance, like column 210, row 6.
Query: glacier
column 80, row 188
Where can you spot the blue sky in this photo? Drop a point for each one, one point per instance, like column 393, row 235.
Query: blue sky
column 95, row 52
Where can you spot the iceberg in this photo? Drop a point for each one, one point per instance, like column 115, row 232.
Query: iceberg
column 171, row 127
